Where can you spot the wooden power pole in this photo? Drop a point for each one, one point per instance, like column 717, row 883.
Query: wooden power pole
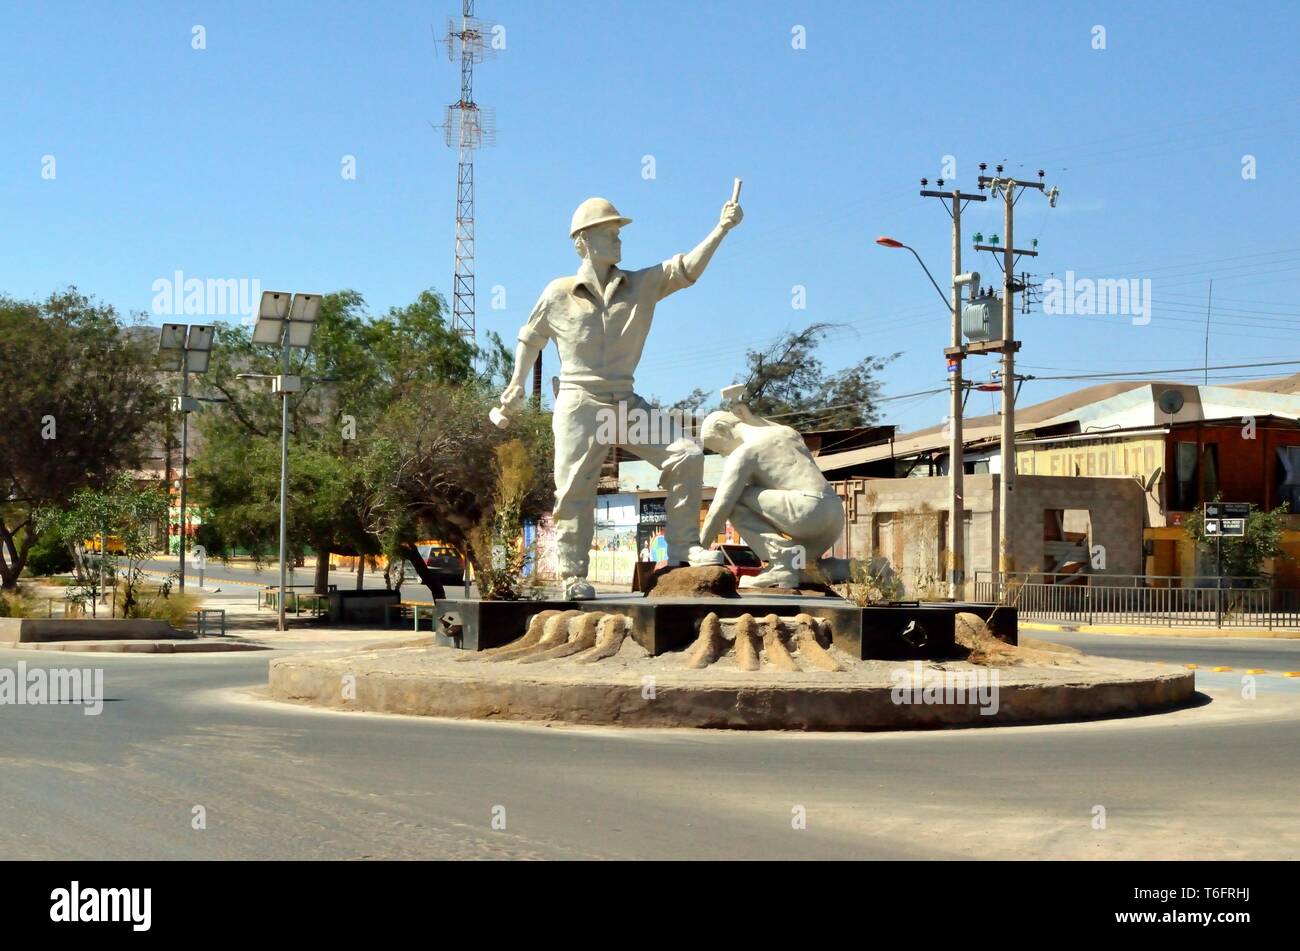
column 954, row 201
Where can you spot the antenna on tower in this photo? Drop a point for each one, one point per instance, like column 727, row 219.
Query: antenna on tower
column 468, row 127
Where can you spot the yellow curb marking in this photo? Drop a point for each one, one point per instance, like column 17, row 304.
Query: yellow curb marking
column 1219, row 670
column 1292, row 673
column 1256, row 670
column 1191, row 666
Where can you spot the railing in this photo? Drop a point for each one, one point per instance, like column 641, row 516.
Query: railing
column 85, row 605
column 1136, row 599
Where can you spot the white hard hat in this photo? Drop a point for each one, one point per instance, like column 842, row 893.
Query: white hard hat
column 595, row 211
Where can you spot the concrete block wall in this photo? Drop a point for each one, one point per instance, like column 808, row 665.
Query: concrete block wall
column 1115, row 516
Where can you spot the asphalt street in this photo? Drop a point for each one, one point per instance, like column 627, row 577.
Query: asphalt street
column 1241, row 653
column 240, row 579
column 182, row 733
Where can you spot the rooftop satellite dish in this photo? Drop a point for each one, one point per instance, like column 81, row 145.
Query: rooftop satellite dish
column 1171, row 401
column 1151, row 482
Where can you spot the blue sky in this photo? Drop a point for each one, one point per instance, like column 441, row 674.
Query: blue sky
column 225, row 163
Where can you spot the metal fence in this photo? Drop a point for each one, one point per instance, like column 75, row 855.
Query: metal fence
column 1138, row 599
column 296, row 602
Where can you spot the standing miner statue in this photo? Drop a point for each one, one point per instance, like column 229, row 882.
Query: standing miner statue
column 599, row 319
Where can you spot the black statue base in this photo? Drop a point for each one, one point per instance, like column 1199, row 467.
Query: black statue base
column 898, row 631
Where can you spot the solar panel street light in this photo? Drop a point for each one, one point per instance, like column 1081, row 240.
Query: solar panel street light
column 186, row 349
column 286, row 321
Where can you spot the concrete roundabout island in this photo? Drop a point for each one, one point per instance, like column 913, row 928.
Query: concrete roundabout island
column 691, row 650
column 751, row 673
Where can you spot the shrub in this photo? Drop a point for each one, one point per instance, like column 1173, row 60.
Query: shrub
column 49, row 555
column 871, row 582
column 496, row 548
column 174, row 608
column 18, row 604
column 1243, row 557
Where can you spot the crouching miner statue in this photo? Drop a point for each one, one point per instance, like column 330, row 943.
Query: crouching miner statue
column 772, row 491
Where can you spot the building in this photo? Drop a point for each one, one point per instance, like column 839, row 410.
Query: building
column 1106, row 479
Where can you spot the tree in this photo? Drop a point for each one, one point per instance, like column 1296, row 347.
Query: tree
column 357, row 371
column 1242, row 556
column 80, row 400
column 122, row 510
column 434, row 464
column 788, row 381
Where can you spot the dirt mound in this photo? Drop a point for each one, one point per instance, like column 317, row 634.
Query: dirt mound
column 986, row 650
column 692, row 582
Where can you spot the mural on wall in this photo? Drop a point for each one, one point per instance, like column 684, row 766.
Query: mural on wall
column 539, row 537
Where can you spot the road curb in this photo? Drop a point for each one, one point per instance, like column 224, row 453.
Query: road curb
column 138, row 647
column 610, row 701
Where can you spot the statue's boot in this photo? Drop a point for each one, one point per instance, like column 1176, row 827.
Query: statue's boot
column 578, row 589
column 774, row 577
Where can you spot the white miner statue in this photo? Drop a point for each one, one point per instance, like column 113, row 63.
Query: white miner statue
column 599, row 319
column 773, row 492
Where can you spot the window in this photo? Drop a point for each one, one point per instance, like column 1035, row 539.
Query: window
column 1184, row 499
column 1209, row 473
column 1288, row 477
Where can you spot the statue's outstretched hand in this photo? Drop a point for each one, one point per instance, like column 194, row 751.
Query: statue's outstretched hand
column 731, row 215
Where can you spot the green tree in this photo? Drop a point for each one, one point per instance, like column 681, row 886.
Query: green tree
column 1242, row 556
column 788, row 381
column 358, row 372
column 434, row 467
column 121, row 510
column 81, row 402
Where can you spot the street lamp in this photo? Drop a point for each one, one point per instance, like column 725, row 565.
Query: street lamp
column 285, row 321
column 894, row 243
column 956, row 443
column 187, row 349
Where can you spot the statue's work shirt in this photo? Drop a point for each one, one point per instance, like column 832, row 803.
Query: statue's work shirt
column 600, row 337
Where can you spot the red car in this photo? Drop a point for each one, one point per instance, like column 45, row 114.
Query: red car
column 741, row 560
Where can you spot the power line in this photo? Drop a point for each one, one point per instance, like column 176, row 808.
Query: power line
column 878, row 399
column 1120, row 374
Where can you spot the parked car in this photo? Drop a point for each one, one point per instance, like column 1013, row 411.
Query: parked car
column 741, row 560
column 114, row 544
column 445, row 562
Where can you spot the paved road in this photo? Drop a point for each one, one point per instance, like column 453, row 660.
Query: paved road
column 1241, row 653
column 240, row 579
column 280, row 781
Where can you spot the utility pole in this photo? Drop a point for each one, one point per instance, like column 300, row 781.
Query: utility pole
column 1009, row 189
column 955, row 354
